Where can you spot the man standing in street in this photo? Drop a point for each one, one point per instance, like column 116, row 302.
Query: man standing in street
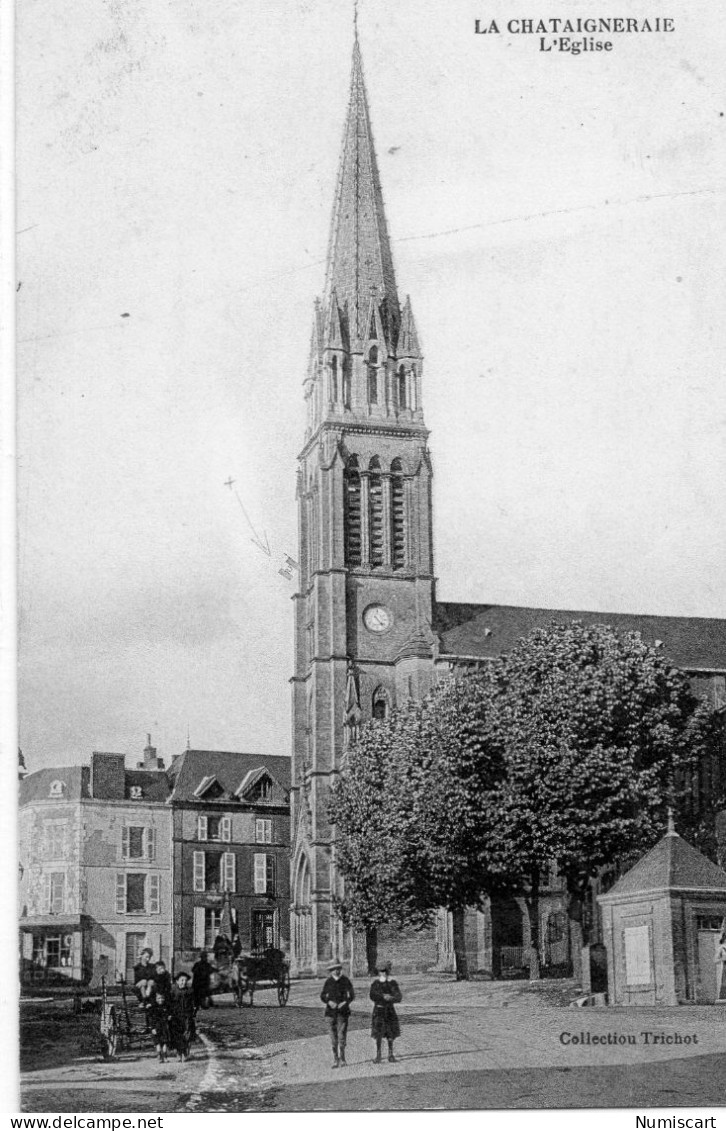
column 337, row 994
column 201, row 981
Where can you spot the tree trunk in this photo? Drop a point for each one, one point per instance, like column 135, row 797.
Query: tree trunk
column 533, row 909
column 462, row 966
column 371, row 948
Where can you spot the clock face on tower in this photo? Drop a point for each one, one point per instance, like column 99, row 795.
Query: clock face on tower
column 377, row 618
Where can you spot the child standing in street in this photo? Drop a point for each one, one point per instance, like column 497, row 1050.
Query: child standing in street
column 159, row 1021
column 385, row 995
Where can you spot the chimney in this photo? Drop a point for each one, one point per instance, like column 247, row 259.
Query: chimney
column 151, row 761
column 108, row 776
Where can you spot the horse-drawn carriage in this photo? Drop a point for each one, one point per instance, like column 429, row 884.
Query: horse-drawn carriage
column 267, row 970
column 244, row 974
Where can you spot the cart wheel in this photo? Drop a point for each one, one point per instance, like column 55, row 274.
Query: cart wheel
column 110, row 1038
column 283, row 987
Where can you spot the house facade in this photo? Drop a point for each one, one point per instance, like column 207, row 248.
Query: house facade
column 95, row 869
column 230, row 815
column 53, row 926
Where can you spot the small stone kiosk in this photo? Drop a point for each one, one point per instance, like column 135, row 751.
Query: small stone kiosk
column 661, row 924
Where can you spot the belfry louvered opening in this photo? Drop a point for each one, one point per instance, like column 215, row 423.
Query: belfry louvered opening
column 352, row 513
column 375, row 511
column 401, row 379
column 398, row 516
column 373, row 376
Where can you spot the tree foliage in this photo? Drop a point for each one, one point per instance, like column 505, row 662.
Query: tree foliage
column 567, row 750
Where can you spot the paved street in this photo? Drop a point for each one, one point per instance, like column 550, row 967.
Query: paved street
column 463, row 1045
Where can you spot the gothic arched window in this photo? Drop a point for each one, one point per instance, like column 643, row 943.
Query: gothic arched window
column 402, row 388
column 373, row 376
column 352, row 513
column 334, row 380
column 398, row 516
column 375, row 511
column 345, row 366
column 380, row 704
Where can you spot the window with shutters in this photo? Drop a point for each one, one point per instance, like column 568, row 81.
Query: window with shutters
column 199, row 877
column 56, row 893
column 352, row 513
column 398, row 516
column 212, row 926
column 138, row 842
column 135, row 892
column 55, row 837
column 214, row 827
column 138, row 893
column 265, row 873
column 263, row 831
column 229, row 876
column 375, row 510
column 208, row 871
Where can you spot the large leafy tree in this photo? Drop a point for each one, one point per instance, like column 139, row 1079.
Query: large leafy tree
column 566, row 751
column 368, row 840
column 600, row 735
column 412, row 813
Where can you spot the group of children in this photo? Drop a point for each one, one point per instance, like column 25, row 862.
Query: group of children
column 169, row 1006
column 338, row 993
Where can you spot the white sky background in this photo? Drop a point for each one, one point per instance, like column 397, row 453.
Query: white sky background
column 559, row 224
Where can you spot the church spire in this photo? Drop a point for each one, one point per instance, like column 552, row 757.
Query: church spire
column 360, row 265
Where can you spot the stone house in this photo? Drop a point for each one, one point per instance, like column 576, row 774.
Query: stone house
column 230, row 815
column 95, row 868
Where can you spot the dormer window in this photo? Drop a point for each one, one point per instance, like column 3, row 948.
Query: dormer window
column 263, row 791
column 136, row 793
column 208, row 788
column 257, row 785
column 57, row 789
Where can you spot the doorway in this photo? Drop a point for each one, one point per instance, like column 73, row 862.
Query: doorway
column 709, row 970
column 135, row 943
column 263, row 930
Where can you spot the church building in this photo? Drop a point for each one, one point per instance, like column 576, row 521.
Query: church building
column 369, row 632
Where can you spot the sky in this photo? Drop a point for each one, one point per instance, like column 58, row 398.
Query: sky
column 559, row 224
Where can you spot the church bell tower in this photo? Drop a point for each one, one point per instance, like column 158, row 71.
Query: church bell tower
column 363, row 639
